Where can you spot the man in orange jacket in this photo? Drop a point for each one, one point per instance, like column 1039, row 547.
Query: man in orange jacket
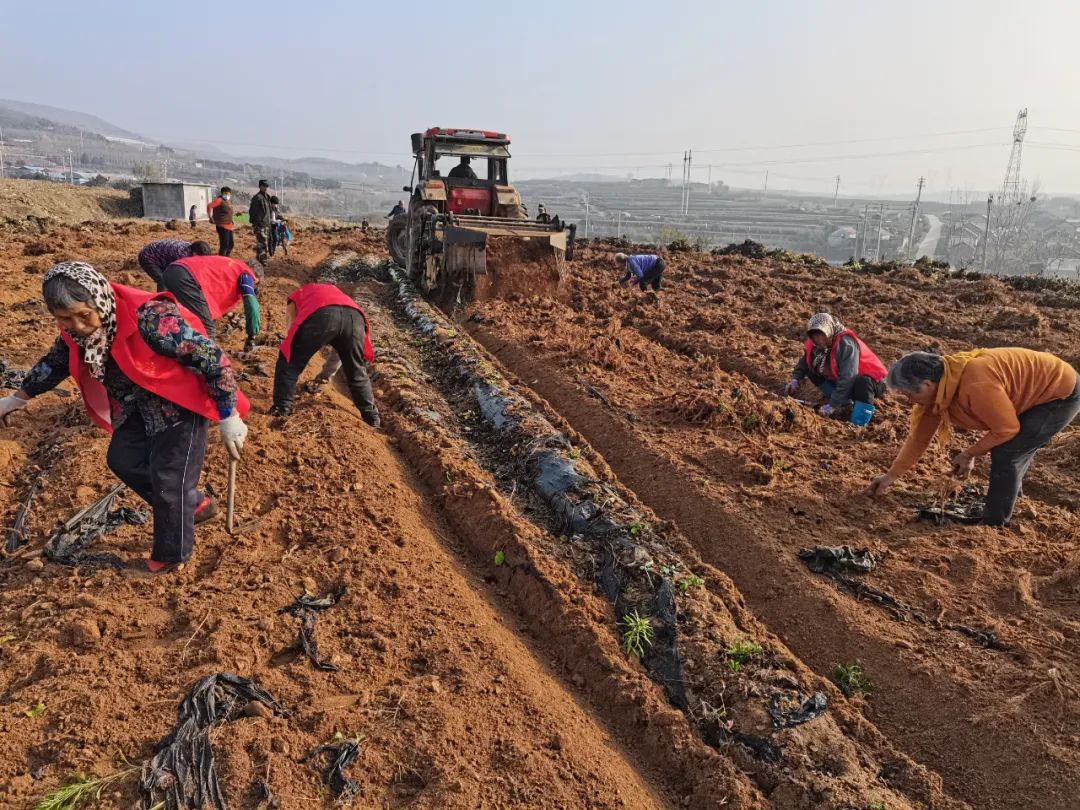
column 1020, row 399
column 322, row 315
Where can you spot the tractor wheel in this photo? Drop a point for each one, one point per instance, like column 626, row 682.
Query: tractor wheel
column 397, row 240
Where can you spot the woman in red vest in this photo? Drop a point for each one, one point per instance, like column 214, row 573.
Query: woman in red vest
column 842, row 366
column 322, row 315
column 151, row 380
column 210, row 286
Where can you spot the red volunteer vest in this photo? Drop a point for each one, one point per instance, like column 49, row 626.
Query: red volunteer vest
column 869, row 364
column 219, row 279
column 143, row 366
column 311, row 297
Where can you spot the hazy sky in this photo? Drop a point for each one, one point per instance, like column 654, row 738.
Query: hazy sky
column 927, row 88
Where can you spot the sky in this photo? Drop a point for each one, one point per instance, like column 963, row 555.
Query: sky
column 879, row 93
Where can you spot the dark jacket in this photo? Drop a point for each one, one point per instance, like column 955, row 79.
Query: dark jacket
column 261, row 210
column 462, row 172
column 847, row 368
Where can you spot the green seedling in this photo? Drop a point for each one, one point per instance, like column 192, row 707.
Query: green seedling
column 876, row 806
column 637, row 634
column 852, row 679
column 635, row 529
column 4, row 639
column 740, row 652
column 36, row 710
column 690, row 581
column 84, row 789
column 669, row 570
column 500, row 557
column 575, row 453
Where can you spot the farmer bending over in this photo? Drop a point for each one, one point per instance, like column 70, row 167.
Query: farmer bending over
column 322, row 315
column 150, row 378
column 1019, row 398
column 158, row 255
column 645, row 268
column 210, row 286
column 842, row 366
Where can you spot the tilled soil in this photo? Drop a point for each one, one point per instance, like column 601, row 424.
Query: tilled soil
column 454, row 705
column 681, row 396
column 477, row 680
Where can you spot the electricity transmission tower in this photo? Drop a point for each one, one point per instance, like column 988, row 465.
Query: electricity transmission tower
column 1010, row 189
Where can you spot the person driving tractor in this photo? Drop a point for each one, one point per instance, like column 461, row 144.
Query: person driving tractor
column 463, row 171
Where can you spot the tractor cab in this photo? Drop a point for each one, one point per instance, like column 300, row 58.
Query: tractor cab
column 438, row 151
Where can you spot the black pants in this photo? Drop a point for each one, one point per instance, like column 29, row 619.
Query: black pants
column 225, row 241
column 343, row 329
column 1009, row 462
column 163, row 470
column 865, row 389
column 652, row 276
column 153, row 271
column 178, row 280
column 192, row 224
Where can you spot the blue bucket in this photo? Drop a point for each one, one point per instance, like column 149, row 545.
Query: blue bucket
column 862, row 413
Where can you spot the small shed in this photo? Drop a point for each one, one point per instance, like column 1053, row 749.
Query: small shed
column 173, row 200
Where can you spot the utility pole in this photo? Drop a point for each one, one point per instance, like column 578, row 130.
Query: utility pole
column 71, row 169
column 837, row 192
column 986, row 236
column 914, row 216
column 1, row 153
column 880, row 222
column 585, row 194
column 710, row 178
column 765, row 191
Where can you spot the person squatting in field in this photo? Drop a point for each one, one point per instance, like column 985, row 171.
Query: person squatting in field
column 322, row 315
column 645, row 268
column 1019, row 398
column 211, row 286
column 844, row 368
column 149, row 377
column 159, row 254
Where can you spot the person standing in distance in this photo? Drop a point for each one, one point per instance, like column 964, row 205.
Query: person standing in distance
column 220, row 212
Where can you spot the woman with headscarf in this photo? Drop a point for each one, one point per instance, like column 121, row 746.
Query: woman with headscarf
column 150, row 377
column 842, row 366
column 1020, row 399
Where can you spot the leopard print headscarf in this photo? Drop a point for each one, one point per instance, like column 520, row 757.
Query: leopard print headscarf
column 96, row 346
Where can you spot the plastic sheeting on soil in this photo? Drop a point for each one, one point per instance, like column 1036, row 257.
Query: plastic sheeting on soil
column 339, row 756
column 182, row 775
column 307, row 608
column 813, row 706
column 839, row 559
column 966, row 508
column 68, row 544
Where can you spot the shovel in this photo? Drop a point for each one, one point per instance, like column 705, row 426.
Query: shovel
column 230, row 510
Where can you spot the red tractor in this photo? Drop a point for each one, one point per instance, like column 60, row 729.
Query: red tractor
column 442, row 238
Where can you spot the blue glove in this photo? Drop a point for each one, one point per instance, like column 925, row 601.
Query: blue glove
column 826, row 410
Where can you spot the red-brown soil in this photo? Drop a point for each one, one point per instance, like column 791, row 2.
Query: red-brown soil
column 695, row 425
column 483, row 685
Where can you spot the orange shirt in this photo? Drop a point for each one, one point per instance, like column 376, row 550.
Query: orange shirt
column 994, row 389
column 210, row 213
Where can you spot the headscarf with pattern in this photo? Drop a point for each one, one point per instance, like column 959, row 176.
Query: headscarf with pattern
column 830, row 326
column 95, row 346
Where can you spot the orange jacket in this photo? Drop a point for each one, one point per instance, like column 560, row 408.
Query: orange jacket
column 993, row 391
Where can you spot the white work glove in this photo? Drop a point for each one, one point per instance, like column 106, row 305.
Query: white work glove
column 10, row 404
column 233, row 432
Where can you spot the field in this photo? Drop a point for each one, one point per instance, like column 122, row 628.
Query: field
column 570, row 558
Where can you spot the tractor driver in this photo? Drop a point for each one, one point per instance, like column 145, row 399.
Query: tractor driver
column 463, row 171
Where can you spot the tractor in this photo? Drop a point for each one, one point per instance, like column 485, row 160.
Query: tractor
column 442, row 238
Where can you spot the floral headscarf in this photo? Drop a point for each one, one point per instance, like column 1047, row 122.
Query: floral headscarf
column 96, row 346
column 830, row 326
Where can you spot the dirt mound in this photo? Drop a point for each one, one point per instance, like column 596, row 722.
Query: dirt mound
column 1027, row 320
column 523, row 267
column 32, row 205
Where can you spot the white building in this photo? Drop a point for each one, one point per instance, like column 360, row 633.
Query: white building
column 173, row 200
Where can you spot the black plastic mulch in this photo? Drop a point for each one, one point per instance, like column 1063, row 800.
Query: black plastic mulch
column 838, row 559
column 338, row 756
column 307, row 608
column 966, row 508
column 182, row 773
column 68, row 544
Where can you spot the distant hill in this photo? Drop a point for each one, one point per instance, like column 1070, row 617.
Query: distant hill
column 71, row 118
